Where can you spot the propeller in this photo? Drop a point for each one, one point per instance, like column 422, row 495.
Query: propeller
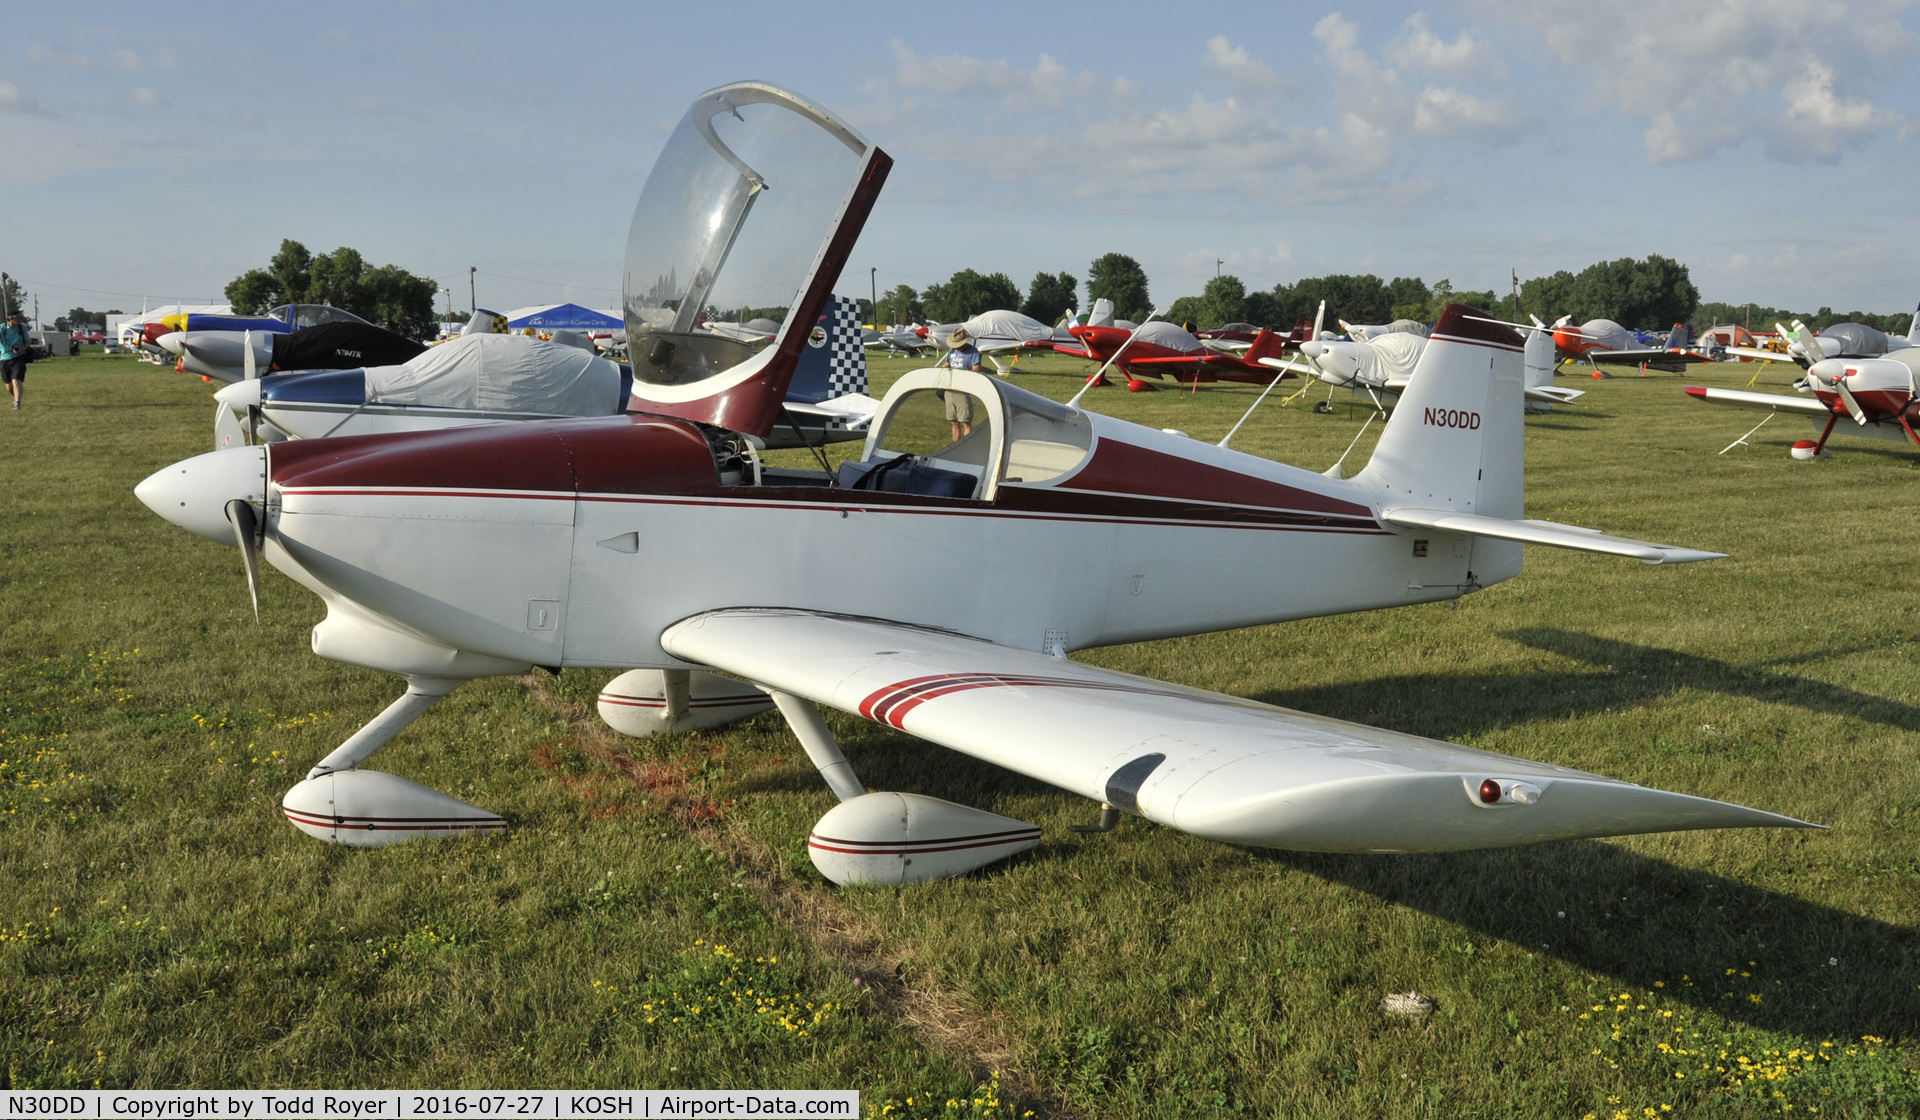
column 1835, row 377
column 1319, row 317
column 245, row 526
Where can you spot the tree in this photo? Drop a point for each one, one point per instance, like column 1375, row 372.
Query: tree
column 1050, row 295
column 1120, row 278
column 1186, row 309
column 901, row 306
column 388, row 294
column 1645, row 294
column 967, row 293
column 1222, row 301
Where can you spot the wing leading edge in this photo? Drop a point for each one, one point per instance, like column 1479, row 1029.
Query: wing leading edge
column 1216, row 766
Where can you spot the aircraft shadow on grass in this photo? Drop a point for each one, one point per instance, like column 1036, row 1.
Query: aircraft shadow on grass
column 1451, row 705
column 1632, row 918
column 1820, row 973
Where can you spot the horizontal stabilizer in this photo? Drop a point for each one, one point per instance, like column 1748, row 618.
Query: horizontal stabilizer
column 1758, row 355
column 1543, row 532
column 1771, row 402
column 1553, row 393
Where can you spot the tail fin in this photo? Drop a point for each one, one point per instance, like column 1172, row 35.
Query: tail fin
column 1266, row 344
column 1913, row 328
column 1456, row 441
column 832, row 363
column 1539, row 360
column 1681, row 338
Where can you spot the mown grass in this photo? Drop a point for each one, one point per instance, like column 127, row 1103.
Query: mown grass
column 161, row 925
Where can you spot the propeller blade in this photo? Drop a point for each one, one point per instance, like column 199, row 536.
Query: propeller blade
column 245, row 524
column 1846, row 397
column 247, row 359
column 1319, row 317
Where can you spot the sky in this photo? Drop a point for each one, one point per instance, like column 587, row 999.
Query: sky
column 155, row 153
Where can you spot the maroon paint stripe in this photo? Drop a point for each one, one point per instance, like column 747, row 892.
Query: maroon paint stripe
column 1319, row 523
column 982, row 837
column 412, row 824
column 813, row 842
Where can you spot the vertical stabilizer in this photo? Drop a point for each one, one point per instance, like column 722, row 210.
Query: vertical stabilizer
column 1456, row 441
column 1539, row 360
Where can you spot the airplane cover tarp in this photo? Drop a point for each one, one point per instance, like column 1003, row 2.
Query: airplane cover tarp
column 1007, row 326
column 1857, row 340
column 1608, row 334
column 565, row 316
column 342, row 346
column 1162, row 333
column 501, row 373
column 1391, row 356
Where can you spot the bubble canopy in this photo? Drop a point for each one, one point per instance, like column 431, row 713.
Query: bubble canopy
column 749, row 212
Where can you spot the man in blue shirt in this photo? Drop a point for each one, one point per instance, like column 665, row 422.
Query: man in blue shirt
column 13, row 355
column 961, row 354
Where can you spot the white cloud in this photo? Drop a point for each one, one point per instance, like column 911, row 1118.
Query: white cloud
column 13, row 99
column 1418, row 48
column 124, row 59
column 58, row 57
column 1083, row 135
column 148, row 99
column 1240, row 69
column 1706, row 75
column 1375, row 94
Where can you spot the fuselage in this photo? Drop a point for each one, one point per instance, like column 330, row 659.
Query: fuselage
column 483, row 539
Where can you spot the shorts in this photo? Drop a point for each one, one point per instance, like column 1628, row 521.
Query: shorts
column 959, row 407
column 13, row 369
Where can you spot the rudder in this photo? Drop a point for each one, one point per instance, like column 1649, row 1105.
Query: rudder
column 1456, row 441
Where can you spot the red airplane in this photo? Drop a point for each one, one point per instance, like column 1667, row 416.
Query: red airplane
column 1164, row 350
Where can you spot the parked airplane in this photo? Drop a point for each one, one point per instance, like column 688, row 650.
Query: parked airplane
column 1841, row 340
column 1161, row 349
column 1381, row 366
column 486, row 377
column 1876, row 394
column 1599, row 340
column 995, row 333
column 616, row 541
column 1363, row 333
column 225, row 355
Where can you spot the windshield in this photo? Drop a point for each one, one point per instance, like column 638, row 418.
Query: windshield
column 300, row 315
column 728, row 228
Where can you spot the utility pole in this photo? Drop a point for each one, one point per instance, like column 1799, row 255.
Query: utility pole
column 1515, row 273
column 873, row 293
column 1217, row 262
column 473, row 301
column 448, row 292
column 5, row 283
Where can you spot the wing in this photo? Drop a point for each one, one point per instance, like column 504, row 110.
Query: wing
column 1772, row 402
column 1216, row 766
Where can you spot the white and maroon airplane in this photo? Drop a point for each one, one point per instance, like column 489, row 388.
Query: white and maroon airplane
column 642, row 541
column 1877, row 394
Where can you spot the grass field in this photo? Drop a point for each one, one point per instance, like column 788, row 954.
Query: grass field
column 161, row 925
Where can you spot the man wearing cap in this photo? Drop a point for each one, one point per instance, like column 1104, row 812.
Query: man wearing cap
column 13, row 355
column 961, row 354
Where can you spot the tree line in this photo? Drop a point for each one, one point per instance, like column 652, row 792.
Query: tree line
column 1646, row 294
column 384, row 294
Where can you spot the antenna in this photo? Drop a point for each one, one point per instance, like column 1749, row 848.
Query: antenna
column 1102, row 371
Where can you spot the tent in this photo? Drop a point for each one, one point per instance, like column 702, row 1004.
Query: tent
column 565, row 316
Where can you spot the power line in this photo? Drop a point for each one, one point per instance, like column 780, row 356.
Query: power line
column 24, row 282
